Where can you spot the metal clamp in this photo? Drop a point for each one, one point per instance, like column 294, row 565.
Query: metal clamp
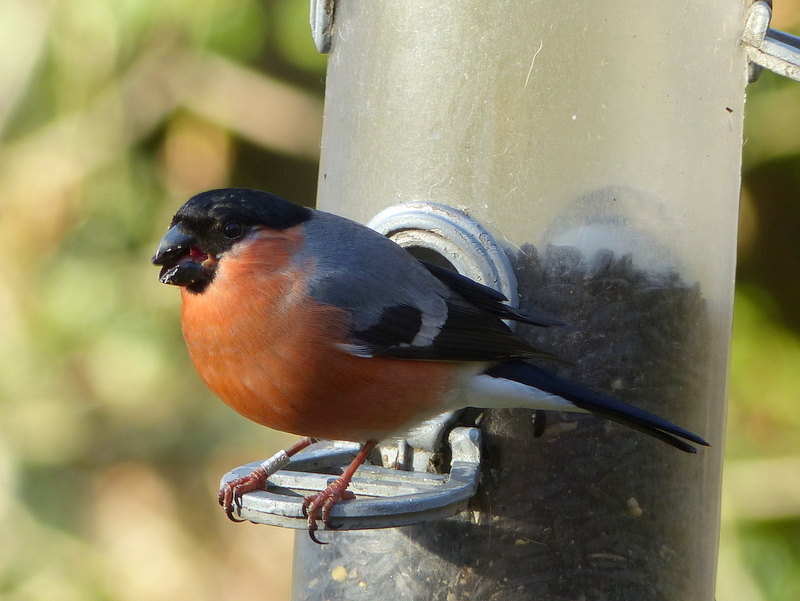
column 453, row 234
column 385, row 498
column 321, row 21
column 769, row 48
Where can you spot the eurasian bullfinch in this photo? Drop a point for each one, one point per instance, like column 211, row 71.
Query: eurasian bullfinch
column 313, row 324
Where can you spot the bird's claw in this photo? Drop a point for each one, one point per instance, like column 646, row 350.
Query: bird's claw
column 314, row 538
column 230, row 495
column 317, row 507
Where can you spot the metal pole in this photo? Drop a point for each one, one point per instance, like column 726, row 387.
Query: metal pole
column 603, row 141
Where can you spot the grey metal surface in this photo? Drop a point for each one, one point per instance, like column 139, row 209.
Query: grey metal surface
column 384, row 497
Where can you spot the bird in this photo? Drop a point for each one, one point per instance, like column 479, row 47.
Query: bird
column 313, row 324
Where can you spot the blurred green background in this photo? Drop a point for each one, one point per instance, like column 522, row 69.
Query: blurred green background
column 112, row 113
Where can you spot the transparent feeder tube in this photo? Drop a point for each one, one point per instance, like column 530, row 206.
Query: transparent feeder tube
column 602, row 142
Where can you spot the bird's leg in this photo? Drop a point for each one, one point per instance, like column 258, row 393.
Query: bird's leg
column 230, row 495
column 320, row 504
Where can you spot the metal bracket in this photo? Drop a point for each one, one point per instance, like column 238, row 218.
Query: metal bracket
column 321, row 21
column 386, row 498
column 769, row 48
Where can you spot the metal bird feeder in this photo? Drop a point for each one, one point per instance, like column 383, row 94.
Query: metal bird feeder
column 601, row 146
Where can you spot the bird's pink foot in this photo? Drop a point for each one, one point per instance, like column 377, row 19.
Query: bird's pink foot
column 230, row 495
column 318, row 506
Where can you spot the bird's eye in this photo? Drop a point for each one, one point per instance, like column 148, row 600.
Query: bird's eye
column 232, row 230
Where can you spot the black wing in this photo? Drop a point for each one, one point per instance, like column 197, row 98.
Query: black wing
column 491, row 300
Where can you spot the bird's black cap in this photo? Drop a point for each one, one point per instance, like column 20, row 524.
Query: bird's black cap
column 248, row 207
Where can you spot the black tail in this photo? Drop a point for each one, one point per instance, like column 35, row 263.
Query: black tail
column 599, row 404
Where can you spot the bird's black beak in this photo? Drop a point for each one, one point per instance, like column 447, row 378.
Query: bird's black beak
column 182, row 262
column 175, row 245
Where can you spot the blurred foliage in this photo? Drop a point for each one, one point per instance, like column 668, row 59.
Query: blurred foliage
column 112, row 112
column 109, row 120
